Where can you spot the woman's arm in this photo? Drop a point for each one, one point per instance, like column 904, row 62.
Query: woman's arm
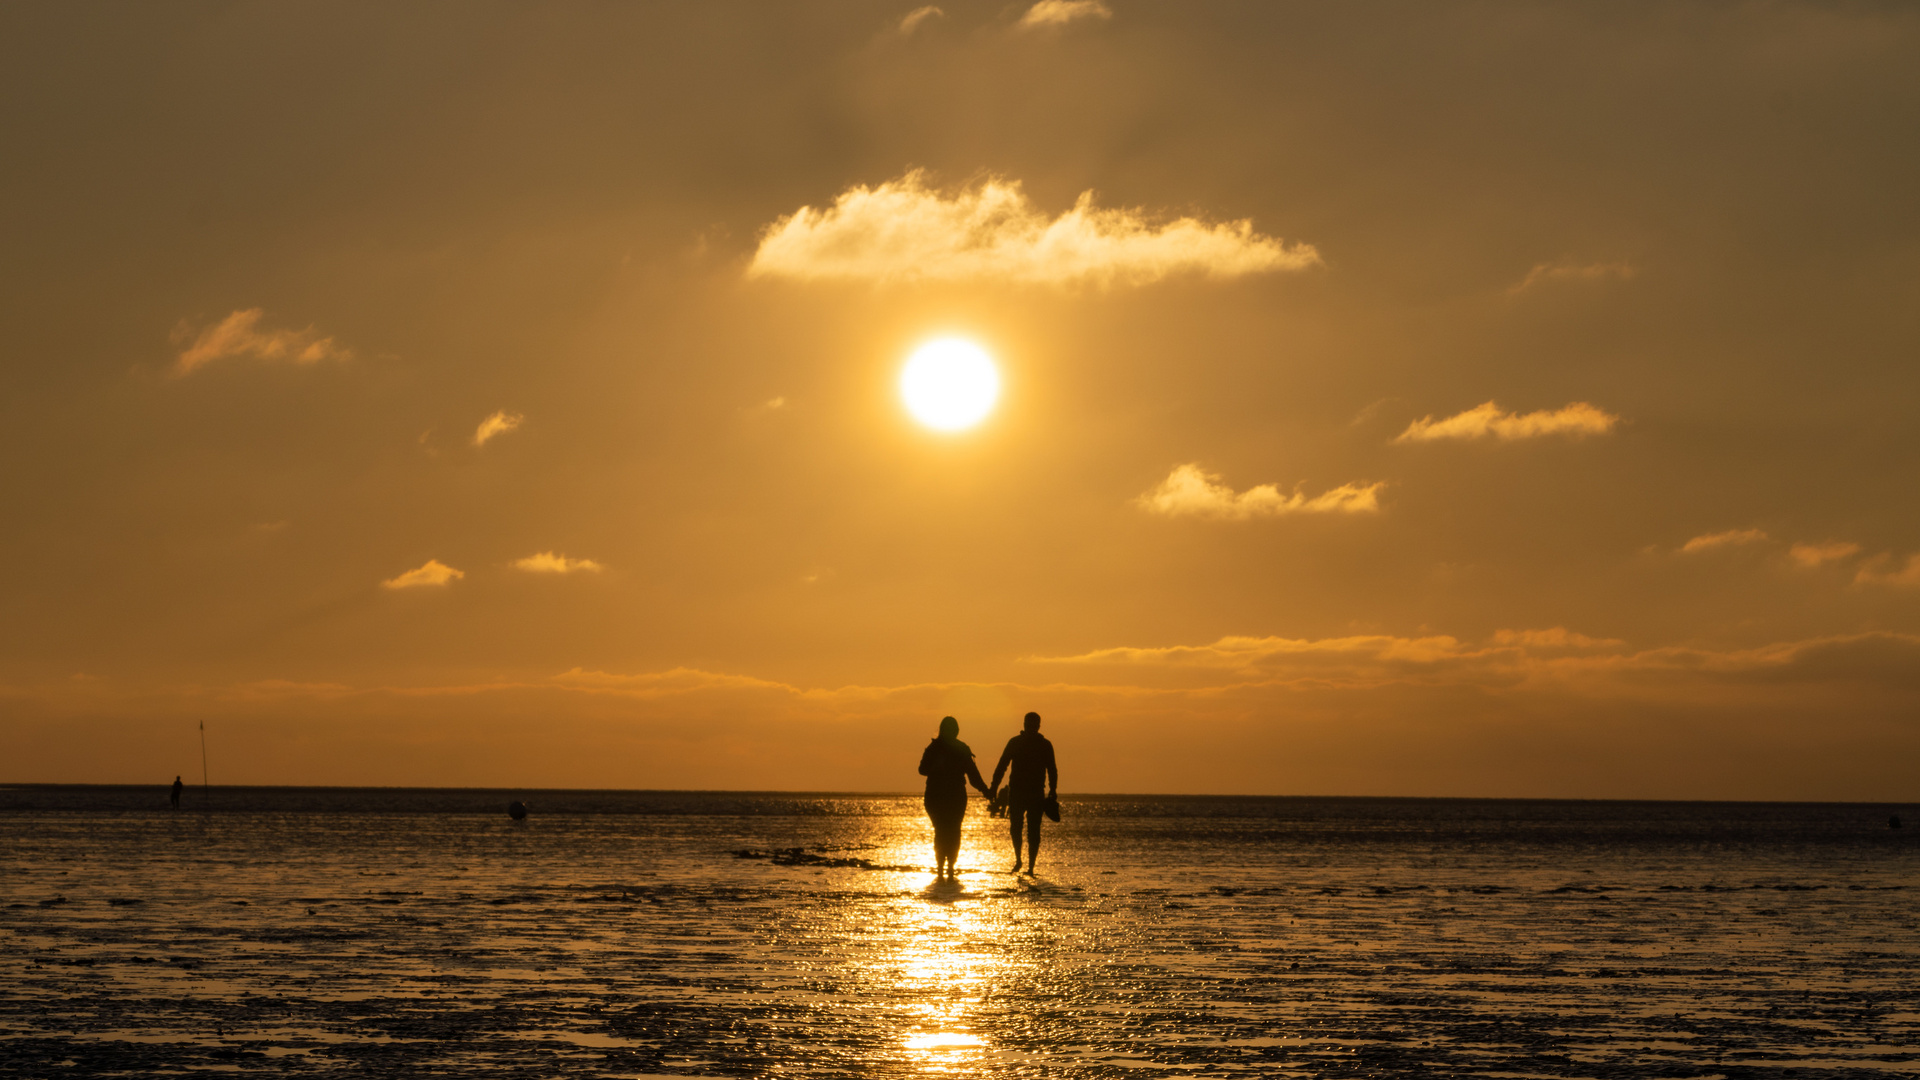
column 973, row 774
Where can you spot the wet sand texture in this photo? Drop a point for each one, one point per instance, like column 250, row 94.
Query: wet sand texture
column 806, row 938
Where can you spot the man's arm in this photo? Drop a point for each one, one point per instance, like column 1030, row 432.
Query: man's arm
column 1053, row 774
column 1000, row 770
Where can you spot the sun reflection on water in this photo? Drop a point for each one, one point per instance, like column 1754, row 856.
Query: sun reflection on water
column 941, row 967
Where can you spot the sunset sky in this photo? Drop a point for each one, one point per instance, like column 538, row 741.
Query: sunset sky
column 1407, row 399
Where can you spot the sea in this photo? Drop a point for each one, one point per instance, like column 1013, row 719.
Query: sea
column 425, row 933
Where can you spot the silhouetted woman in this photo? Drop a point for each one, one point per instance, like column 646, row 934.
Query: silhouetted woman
column 948, row 766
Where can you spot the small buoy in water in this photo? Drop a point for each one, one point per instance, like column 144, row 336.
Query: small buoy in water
column 517, row 810
column 1893, row 822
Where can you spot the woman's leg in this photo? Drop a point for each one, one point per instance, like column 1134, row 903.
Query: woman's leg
column 946, row 831
column 935, row 817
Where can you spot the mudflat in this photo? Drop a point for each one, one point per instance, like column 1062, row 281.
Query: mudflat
column 383, row 932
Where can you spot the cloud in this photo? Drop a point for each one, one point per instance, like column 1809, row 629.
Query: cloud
column 498, row 424
column 239, row 334
column 919, row 15
column 904, row 230
column 1730, row 538
column 1190, row 491
column 1481, row 421
column 1873, row 573
column 1515, row 659
column 1250, row 654
column 1049, row 13
column 1821, row 718
column 1558, row 637
column 1572, row 271
column 546, row 562
column 1811, row 555
column 433, row 572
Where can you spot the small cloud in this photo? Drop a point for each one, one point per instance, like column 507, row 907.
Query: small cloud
column 919, row 15
column 1481, row 421
column 498, row 424
column 434, row 572
column 1368, row 413
column 239, row 334
column 1050, row 13
column 1558, row 637
column 1874, row 573
column 1571, row 271
column 775, row 403
column 1730, row 538
column 1190, row 491
column 546, row 562
column 1811, row 555
column 904, row 230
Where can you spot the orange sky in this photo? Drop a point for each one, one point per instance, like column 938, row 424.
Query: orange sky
column 1397, row 399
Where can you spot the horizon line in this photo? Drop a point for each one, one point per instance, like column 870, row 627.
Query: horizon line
column 11, row 785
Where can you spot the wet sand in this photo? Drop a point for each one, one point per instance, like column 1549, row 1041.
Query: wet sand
column 1154, row 942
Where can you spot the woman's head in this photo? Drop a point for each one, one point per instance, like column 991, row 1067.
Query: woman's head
column 949, row 728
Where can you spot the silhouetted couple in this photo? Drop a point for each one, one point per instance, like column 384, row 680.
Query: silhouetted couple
column 948, row 766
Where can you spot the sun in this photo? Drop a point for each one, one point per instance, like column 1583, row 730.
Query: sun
column 949, row 384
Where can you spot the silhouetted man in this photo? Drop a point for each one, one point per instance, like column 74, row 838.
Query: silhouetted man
column 177, row 786
column 1035, row 779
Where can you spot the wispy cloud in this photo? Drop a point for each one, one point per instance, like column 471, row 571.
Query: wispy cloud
column 1730, row 538
column 1248, row 653
column 905, row 230
column 1556, row 637
column 433, row 572
column 1539, row 710
column 1510, row 660
column 1190, row 491
column 919, row 15
column 1811, row 555
column 1566, row 270
column 546, row 562
column 1489, row 419
column 1876, row 572
column 1048, row 13
column 239, row 334
column 498, row 424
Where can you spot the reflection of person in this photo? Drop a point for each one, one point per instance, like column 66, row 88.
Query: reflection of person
column 947, row 763
column 175, row 797
column 1035, row 780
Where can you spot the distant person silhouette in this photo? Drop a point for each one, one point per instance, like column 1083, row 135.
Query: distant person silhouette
column 947, row 763
column 1035, row 780
column 177, row 788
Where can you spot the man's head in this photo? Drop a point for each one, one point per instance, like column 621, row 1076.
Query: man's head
column 1032, row 721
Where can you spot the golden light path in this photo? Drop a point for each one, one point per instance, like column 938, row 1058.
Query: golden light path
column 949, row 384
column 940, row 966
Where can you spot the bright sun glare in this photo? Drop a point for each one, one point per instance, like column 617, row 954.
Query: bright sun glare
column 949, row 384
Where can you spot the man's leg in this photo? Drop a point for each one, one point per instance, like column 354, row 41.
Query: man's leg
column 1014, row 814
column 1033, row 837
